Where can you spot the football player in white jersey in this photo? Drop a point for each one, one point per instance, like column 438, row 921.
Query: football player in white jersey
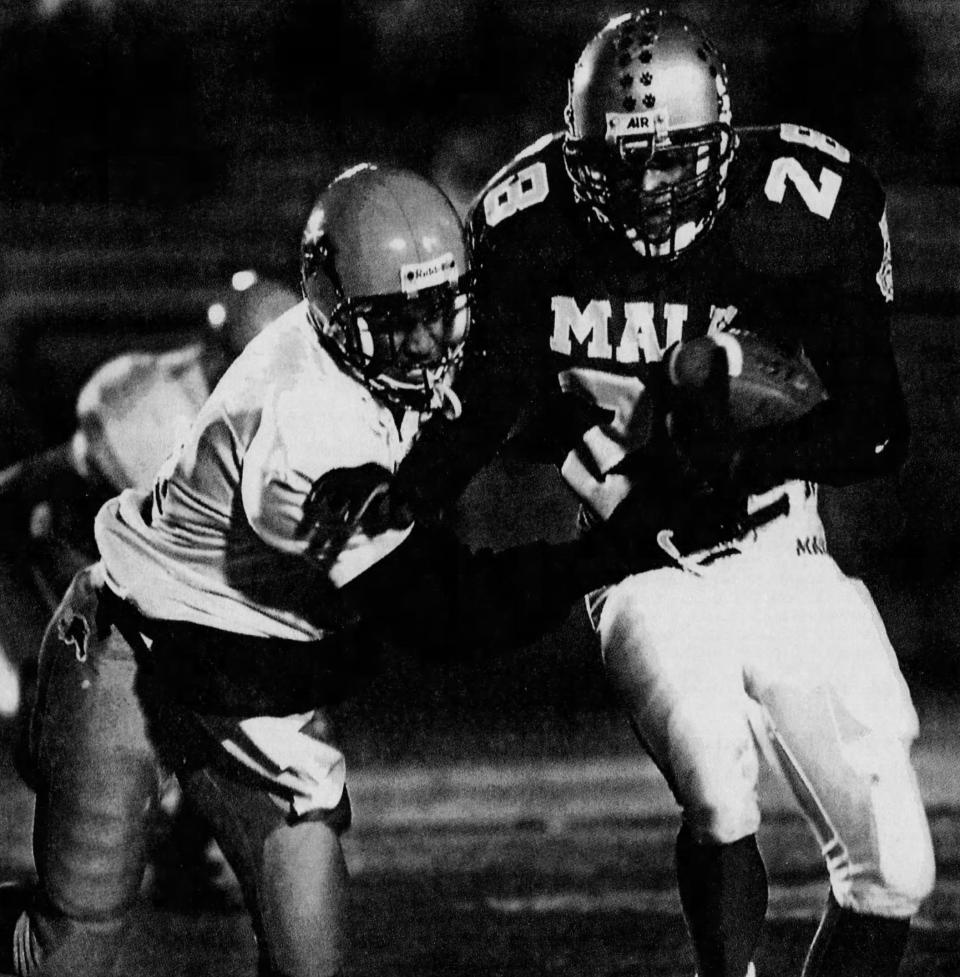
column 231, row 598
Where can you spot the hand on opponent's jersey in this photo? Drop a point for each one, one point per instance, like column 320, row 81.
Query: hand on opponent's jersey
column 347, row 502
column 485, row 599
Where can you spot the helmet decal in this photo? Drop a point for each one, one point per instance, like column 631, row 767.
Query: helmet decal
column 425, row 274
column 621, row 125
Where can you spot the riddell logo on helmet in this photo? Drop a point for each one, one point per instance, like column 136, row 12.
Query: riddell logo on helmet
column 426, row 274
column 620, row 124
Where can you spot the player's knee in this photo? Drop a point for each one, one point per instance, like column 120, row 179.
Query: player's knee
column 897, row 884
column 911, row 879
column 906, row 858
column 890, row 869
column 724, row 820
column 90, row 882
column 718, row 789
column 93, row 826
column 899, row 895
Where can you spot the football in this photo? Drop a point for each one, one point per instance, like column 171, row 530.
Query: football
column 766, row 385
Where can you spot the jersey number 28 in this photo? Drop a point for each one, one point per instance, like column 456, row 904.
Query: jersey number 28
column 819, row 198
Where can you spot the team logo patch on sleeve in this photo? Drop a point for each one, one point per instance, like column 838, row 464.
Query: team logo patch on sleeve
column 885, row 273
column 426, row 274
column 74, row 631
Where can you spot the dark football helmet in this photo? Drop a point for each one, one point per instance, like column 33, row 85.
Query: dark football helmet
column 649, row 138
column 385, row 270
column 245, row 308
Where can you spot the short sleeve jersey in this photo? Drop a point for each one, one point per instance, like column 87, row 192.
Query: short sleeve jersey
column 219, row 539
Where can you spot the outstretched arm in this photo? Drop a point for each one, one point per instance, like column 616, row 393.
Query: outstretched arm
column 434, row 593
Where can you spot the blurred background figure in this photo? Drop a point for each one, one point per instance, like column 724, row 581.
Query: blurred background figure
column 20, row 614
column 132, row 412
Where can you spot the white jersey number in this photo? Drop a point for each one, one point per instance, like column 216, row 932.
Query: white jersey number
column 820, row 199
column 605, row 445
column 528, row 187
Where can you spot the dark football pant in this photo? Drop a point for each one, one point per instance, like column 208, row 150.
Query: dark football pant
column 97, row 734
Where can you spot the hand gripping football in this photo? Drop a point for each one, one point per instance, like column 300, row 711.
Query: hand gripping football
column 765, row 386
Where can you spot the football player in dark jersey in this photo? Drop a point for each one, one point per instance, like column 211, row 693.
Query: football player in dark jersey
column 649, row 221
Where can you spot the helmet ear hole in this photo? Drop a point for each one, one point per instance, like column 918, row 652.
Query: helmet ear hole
column 319, row 291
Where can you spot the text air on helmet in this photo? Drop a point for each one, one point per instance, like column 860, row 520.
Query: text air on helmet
column 648, row 131
column 385, row 270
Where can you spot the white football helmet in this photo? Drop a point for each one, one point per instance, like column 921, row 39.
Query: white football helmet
column 649, row 138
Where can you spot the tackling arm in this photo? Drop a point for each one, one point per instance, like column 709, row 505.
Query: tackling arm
column 433, row 593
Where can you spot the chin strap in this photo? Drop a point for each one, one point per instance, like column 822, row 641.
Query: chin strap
column 446, row 401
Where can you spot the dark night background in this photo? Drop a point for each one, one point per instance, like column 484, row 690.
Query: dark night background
column 150, row 147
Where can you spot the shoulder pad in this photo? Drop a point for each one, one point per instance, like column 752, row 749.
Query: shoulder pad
column 802, row 203
column 135, row 410
column 524, row 185
column 180, row 360
column 114, row 383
